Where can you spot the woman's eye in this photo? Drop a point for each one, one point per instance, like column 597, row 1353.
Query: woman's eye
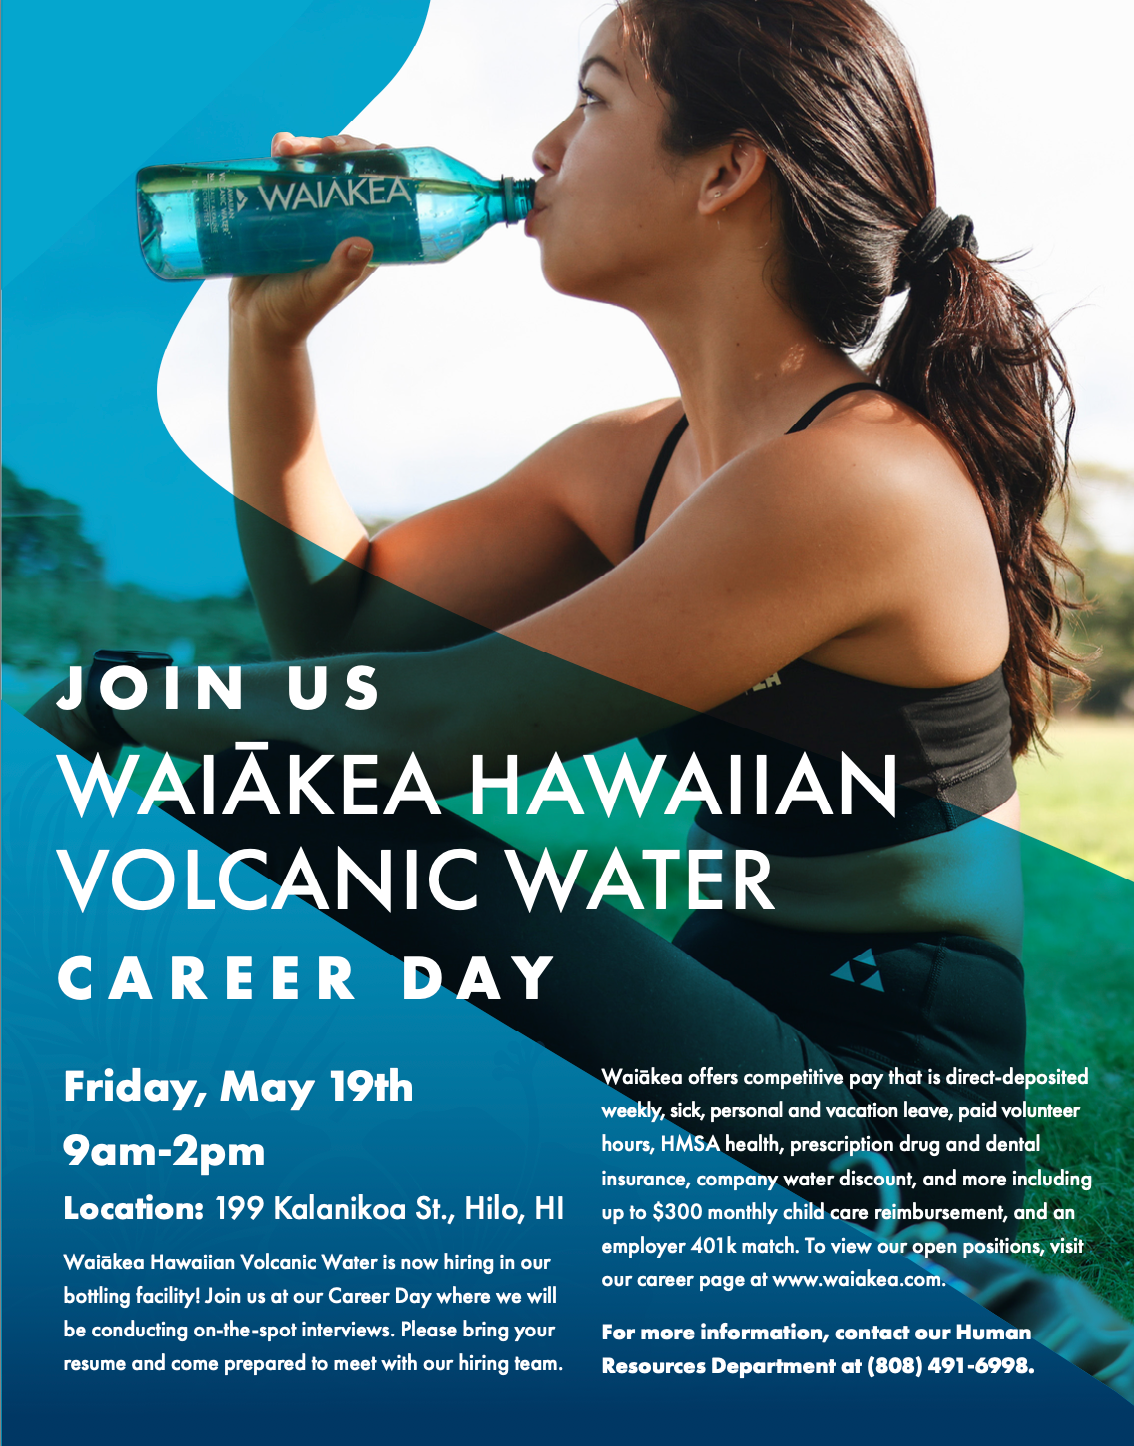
column 588, row 97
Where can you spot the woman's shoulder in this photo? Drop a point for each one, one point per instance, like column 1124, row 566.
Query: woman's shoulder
column 627, row 431
column 598, row 469
column 869, row 456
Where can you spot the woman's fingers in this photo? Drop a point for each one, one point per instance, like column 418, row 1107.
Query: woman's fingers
column 339, row 276
column 332, row 144
column 286, row 144
column 284, row 309
column 334, row 281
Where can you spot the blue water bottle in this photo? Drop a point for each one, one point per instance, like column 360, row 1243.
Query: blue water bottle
column 285, row 213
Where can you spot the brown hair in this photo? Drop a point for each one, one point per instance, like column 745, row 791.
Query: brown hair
column 826, row 89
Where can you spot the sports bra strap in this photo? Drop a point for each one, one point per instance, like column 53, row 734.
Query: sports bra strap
column 824, row 402
column 645, row 507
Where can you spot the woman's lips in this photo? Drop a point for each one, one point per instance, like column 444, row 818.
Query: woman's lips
column 532, row 216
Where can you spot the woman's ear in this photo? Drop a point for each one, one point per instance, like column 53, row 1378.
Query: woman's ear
column 731, row 172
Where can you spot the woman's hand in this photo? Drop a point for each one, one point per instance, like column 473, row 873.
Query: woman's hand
column 71, row 726
column 285, row 144
column 283, row 310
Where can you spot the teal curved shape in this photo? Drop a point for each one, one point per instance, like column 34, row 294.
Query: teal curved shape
column 86, row 325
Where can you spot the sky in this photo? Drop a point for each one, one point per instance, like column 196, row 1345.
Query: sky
column 433, row 380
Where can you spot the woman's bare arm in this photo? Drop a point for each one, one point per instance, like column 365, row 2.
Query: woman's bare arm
column 781, row 554
column 304, row 549
column 434, row 580
column 550, row 526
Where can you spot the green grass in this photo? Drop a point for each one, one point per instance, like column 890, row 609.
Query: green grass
column 1080, row 993
column 1081, row 798
column 1079, row 963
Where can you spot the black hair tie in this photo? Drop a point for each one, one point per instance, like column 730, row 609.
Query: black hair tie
column 929, row 241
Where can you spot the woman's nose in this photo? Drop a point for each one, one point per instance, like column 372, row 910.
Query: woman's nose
column 541, row 154
column 549, row 152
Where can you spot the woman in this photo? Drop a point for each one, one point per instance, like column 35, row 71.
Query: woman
column 821, row 561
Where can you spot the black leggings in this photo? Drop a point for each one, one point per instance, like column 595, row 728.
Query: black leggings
column 729, row 995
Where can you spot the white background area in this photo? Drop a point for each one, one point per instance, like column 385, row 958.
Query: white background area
column 433, row 380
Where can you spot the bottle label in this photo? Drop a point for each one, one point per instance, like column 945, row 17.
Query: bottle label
column 218, row 204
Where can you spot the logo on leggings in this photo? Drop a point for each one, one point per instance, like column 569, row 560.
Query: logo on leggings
column 862, row 969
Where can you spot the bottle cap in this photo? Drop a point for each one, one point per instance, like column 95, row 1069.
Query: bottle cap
column 518, row 197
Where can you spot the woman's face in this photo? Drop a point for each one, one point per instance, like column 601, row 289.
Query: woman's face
column 614, row 214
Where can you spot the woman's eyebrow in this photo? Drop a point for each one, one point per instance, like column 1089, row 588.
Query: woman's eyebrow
column 598, row 60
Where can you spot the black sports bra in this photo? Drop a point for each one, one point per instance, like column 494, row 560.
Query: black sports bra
column 951, row 746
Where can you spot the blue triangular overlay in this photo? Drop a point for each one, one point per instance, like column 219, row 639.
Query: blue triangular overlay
column 856, row 976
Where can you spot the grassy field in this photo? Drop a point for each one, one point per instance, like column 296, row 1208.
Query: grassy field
column 1081, row 797
column 1079, row 961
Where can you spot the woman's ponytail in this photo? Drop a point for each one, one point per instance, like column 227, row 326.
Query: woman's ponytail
column 972, row 354
column 826, row 89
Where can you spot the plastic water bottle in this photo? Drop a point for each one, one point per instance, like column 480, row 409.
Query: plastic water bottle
column 285, row 213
